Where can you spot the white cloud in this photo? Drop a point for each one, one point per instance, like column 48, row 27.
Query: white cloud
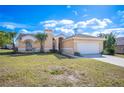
column 65, row 30
column 24, row 31
column 95, row 33
column 65, row 22
column 68, row 26
column 93, row 23
column 49, row 23
column 81, row 24
column 86, row 33
column 56, row 23
column 12, row 26
column 118, row 31
column 9, row 26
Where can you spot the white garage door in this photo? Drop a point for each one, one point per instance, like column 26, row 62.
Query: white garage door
column 88, row 48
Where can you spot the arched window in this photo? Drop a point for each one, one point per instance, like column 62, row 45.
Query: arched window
column 28, row 45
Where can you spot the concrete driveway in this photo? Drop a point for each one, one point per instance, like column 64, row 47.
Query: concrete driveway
column 111, row 59
column 104, row 58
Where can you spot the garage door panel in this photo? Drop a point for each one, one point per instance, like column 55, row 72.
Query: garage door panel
column 88, row 48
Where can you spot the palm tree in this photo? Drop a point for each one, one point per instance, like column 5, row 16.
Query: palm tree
column 12, row 35
column 42, row 37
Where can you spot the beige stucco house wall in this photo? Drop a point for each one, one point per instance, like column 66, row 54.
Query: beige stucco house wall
column 68, row 46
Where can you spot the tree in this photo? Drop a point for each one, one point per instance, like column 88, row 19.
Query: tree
column 4, row 38
column 1, row 38
column 101, row 35
column 41, row 37
column 7, row 38
column 110, row 40
column 109, row 43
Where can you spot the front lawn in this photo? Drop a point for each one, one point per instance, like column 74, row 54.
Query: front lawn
column 120, row 55
column 56, row 70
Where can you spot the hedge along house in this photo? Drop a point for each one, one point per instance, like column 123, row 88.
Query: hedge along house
column 84, row 44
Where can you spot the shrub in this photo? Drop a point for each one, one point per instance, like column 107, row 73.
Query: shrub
column 109, row 51
column 77, row 54
column 53, row 51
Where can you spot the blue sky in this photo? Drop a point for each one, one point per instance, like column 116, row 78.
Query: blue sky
column 63, row 19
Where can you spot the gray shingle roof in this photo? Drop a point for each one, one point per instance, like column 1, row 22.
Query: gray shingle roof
column 82, row 35
column 120, row 41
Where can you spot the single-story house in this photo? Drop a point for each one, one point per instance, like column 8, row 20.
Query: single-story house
column 120, row 45
column 83, row 44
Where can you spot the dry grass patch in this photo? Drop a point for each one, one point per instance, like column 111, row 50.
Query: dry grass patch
column 120, row 55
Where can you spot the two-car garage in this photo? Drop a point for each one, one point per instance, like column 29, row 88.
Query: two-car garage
column 83, row 44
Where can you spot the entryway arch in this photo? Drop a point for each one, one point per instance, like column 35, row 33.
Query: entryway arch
column 28, row 45
column 60, row 45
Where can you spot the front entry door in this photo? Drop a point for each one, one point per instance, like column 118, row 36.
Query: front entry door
column 60, row 44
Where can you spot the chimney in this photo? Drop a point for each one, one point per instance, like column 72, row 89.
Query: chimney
column 49, row 41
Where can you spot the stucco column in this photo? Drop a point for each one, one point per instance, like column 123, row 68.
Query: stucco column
column 57, row 44
column 49, row 41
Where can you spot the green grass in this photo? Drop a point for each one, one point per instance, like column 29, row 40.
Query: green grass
column 120, row 55
column 56, row 70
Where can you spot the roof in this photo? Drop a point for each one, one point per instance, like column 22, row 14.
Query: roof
column 21, row 35
column 60, row 35
column 120, row 41
column 82, row 36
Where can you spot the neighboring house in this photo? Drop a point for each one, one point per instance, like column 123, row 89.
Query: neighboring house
column 84, row 44
column 120, row 45
column 8, row 46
